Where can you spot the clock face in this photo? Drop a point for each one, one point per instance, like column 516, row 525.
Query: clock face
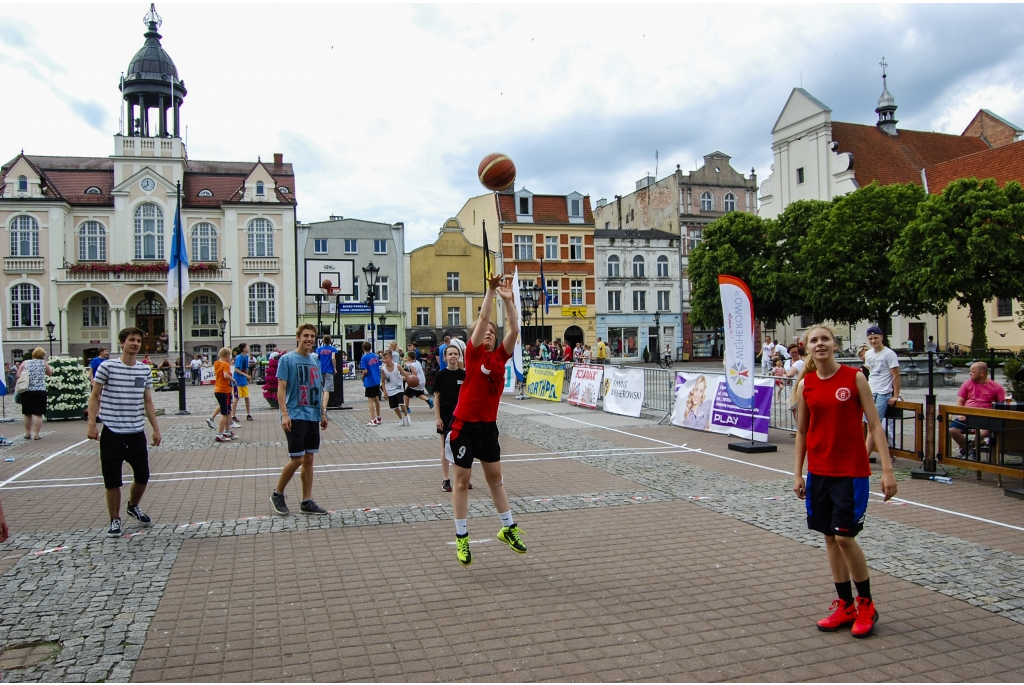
column 148, row 184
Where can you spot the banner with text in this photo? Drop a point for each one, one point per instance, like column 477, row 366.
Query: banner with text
column 544, row 381
column 623, row 391
column 703, row 402
column 510, row 377
column 585, row 385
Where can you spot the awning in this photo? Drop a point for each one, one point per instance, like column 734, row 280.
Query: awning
column 457, row 332
column 427, row 337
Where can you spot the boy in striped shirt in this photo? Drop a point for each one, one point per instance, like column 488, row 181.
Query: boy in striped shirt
column 121, row 390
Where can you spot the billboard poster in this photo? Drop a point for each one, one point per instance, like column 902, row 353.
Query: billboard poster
column 585, row 385
column 703, row 402
column 544, row 381
column 623, row 391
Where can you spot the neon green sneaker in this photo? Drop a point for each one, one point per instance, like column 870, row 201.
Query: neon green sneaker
column 510, row 536
column 462, row 549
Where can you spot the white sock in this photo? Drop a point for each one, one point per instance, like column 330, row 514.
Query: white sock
column 506, row 518
column 460, row 527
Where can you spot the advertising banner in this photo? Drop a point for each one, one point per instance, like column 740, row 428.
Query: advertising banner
column 585, row 385
column 738, row 317
column 206, row 375
column 703, row 402
column 510, row 377
column 349, row 370
column 623, row 391
column 544, row 381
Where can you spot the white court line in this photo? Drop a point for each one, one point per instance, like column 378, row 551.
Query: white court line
column 768, row 468
column 40, row 463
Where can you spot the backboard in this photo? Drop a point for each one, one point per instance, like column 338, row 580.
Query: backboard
column 341, row 273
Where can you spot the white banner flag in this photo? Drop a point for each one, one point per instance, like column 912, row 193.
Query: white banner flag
column 517, row 353
column 738, row 319
column 623, row 391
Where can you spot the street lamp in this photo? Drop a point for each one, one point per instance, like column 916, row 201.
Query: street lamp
column 381, row 319
column 370, row 272
column 49, row 333
column 223, row 327
column 528, row 300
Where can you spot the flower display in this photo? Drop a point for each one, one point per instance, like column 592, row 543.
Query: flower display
column 68, row 388
column 270, row 385
column 137, row 268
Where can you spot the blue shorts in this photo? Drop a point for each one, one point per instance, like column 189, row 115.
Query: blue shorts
column 882, row 404
column 836, row 505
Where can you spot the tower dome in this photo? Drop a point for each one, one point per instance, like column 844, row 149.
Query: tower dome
column 152, row 83
column 886, row 109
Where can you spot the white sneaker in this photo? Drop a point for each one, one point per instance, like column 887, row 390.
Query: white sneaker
column 235, row 424
column 209, row 422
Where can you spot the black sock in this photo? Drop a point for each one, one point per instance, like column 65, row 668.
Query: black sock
column 845, row 592
column 863, row 588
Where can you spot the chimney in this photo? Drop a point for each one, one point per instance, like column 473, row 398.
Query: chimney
column 278, row 159
column 602, row 202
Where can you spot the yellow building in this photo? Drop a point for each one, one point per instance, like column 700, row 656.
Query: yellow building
column 446, row 287
column 1001, row 325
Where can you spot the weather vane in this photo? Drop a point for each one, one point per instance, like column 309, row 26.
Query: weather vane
column 883, row 64
column 152, row 19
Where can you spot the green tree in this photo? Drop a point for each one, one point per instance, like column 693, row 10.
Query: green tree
column 844, row 260
column 780, row 279
column 966, row 244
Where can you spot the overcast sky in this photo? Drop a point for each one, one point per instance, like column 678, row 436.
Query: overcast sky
column 385, row 110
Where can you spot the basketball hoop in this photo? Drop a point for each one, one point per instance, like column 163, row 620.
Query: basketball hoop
column 327, row 288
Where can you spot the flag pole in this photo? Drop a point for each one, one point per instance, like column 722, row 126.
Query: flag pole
column 178, row 239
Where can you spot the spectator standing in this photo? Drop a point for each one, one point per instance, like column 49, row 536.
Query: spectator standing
column 780, row 350
column 370, row 367
column 33, row 399
column 447, row 385
column 121, row 392
column 883, row 377
column 979, row 392
column 567, row 352
column 327, row 355
column 930, row 346
column 766, row 355
column 602, row 351
column 442, row 360
column 94, row 363
column 196, row 366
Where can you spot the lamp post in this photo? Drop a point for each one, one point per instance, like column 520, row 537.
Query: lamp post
column 381, row 320
column 370, row 272
column 657, row 326
column 49, row 334
column 527, row 300
column 223, row 327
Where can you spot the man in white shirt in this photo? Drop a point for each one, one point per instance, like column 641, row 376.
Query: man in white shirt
column 883, row 377
column 780, row 350
column 766, row 355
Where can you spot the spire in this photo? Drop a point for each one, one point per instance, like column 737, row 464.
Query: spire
column 886, row 105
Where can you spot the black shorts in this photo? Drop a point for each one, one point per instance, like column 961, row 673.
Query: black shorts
column 373, row 391
column 396, row 401
column 468, row 440
column 303, row 438
column 413, row 392
column 836, row 505
column 224, row 400
column 116, row 448
column 33, row 403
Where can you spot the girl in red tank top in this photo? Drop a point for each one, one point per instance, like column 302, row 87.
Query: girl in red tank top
column 831, row 400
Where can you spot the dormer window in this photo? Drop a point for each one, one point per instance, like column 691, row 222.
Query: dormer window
column 259, row 187
column 205, row 192
column 524, row 206
column 282, row 189
column 22, row 184
column 93, row 190
column 574, row 208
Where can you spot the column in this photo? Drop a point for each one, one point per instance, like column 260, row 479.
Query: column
column 163, row 117
column 177, row 133
column 228, row 329
column 65, row 332
column 112, row 319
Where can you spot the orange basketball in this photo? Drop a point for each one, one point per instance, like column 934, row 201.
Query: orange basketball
column 326, row 284
column 497, row 171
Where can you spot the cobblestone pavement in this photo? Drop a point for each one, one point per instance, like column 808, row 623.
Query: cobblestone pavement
column 647, row 546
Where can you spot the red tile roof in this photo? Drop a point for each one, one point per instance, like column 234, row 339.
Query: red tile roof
column 71, row 185
column 877, row 156
column 547, row 209
column 1004, row 164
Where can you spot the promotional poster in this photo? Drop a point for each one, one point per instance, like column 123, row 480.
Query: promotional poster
column 703, row 402
column 623, row 391
column 544, row 381
column 585, row 385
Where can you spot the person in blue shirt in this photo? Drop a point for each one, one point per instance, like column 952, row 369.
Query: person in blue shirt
column 303, row 415
column 370, row 365
column 441, row 361
column 240, row 376
column 103, row 356
column 326, row 354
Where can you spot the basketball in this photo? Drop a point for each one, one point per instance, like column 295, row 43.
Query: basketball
column 497, row 171
column 326, row 284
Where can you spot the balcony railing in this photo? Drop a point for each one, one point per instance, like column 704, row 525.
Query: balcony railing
column 23, row 265
column 264, row 264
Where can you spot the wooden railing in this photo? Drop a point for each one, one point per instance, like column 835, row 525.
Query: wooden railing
column 1006, row 439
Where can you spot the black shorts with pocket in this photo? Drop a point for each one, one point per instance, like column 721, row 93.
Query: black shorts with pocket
column 469, row 440
column 396, row 401
column 836, row 505
column 303, row 438
column 117, row 448
column 372, row 391
column 224, row 401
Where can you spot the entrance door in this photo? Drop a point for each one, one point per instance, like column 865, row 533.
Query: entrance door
column 652, row 342
column 573, row 335
column 917, row 336
column 670, row 338
column 150, row 318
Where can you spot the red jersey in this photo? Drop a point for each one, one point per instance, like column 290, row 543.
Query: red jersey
column 485, row 381
column 834, row 443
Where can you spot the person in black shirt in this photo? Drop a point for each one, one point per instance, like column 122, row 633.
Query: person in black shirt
column 446, row 387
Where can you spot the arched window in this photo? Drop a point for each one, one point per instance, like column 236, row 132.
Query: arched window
column 261, row 238
column 613, row 266
column 94, row 312
column 204, row 242
column 93, row 190
column 22, row 184
column 26, row 306
column 662, row 266
column 262, row 307
column 149, row 232
column 730, row 202
column 259, row 187
column 92, row 242
column 205, row 192
column 204, row 311
column 638, row 267
column 150, row 308
column 24, row 237
column 707, row 203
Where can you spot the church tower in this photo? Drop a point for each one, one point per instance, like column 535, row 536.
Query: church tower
column 152, row 86
column 886, row 107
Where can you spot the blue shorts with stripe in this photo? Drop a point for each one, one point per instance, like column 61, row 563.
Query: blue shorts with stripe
column 836, row 505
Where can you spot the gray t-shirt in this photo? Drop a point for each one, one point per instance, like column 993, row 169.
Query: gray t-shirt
column 122, row 399
column 879, row 363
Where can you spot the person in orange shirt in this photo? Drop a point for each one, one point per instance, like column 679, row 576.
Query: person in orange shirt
column 222, row 391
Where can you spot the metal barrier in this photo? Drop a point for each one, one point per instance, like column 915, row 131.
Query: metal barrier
column 659, row 389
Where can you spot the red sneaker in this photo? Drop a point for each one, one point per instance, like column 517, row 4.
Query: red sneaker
column 843, row 614
column 867, row 616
